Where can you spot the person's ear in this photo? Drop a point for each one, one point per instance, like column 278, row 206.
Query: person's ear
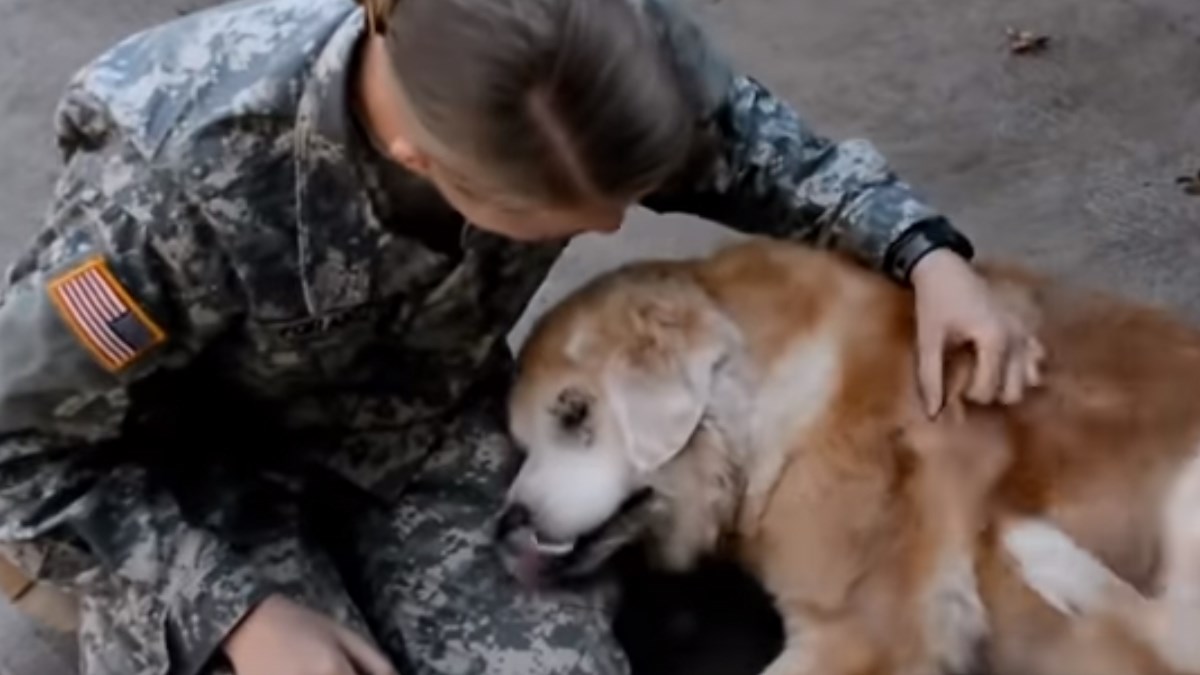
column 390, row 119
column 403, row 151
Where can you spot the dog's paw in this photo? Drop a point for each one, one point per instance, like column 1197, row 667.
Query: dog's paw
column 1067, row 577
column 956, row 622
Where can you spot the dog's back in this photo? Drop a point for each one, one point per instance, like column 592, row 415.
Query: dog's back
column 1094, row 451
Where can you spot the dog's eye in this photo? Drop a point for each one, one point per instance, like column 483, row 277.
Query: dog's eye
column 574, row 415
column 571, row 410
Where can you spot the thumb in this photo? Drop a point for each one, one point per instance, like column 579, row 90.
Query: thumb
column 367, row 660
column 930, row 352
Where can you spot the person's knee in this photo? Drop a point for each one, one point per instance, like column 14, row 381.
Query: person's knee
column 499, row 633
column 559, row 643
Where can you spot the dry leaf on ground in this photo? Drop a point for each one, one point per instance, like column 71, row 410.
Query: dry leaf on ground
column 1190, row 184
column 1026, row 42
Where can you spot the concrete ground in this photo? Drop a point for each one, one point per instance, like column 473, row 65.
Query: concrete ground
column 1066, row 160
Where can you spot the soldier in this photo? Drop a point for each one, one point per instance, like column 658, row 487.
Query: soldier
column 250, row 367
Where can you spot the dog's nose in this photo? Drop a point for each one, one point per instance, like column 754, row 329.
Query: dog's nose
column 515, row 517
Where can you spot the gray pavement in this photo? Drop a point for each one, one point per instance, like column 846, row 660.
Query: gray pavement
column 1066, row 160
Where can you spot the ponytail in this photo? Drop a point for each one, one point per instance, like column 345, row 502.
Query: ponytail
column 378, row 12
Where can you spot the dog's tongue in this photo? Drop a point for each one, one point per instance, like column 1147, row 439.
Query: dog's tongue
column 535, row 555
column 529, row 566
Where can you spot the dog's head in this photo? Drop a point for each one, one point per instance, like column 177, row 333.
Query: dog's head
column 613, row 384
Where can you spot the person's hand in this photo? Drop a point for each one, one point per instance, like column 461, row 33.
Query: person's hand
column 955, row 307
column 280, row 637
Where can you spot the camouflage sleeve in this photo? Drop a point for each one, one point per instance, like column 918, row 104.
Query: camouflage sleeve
column 760, row 168
column 98, row 303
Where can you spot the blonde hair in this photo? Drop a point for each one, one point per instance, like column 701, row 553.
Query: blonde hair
column 558, row 100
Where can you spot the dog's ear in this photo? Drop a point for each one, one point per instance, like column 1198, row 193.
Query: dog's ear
column 658, row 388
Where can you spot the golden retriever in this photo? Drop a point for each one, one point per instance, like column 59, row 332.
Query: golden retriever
column 762, row 404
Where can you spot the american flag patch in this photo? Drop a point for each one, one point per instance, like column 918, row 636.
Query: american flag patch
column 103, row 316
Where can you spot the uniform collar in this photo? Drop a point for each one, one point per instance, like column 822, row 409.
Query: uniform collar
column 338, row 234
column 346, row 255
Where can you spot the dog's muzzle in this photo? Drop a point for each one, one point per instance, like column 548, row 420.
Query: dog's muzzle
column 534, row 559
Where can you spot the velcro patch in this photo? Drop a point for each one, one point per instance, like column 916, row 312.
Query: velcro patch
column 103, row 315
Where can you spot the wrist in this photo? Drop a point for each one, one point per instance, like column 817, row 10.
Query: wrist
column 919, row 241
column 935, row 264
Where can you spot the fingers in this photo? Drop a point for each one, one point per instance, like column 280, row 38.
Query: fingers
column 1015, row 378
column 1036, row 354
column 991, row 360
column 1023, row 370
column 366, row 658
column 930, row 355
column 1006, row 368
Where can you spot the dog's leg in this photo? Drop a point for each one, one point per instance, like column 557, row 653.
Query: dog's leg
column 961, row 461
column 824, row 647
column 1075, row 583
column 1108, row 631
column 791, row 661
column 955, row 622
column 1067, row 577
column 795, row 657
column 1174, row 617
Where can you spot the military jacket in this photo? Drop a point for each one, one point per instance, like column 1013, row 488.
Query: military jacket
column 220, row 209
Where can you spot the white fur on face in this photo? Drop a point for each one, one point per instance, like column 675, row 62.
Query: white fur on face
column 571, row 484
column 571, row 491
column 617, row 410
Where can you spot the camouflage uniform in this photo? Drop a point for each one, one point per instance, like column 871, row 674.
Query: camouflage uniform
column 246, row 355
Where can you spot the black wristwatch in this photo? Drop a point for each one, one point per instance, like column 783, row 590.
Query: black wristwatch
column 921, row 239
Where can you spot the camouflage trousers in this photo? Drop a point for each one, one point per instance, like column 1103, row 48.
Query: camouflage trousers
column 409, row 563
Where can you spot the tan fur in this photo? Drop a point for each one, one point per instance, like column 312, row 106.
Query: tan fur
column 876, row 530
